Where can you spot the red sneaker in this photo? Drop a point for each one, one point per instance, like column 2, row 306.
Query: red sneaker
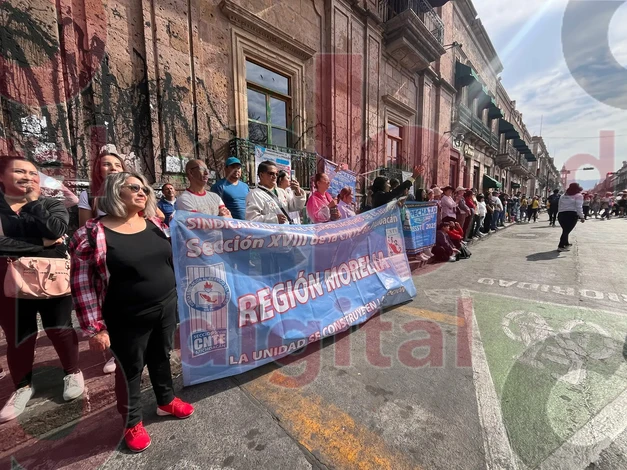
column 137, row 438
column 177, row 408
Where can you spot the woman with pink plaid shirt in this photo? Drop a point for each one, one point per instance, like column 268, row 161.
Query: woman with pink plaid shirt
column 125, row 297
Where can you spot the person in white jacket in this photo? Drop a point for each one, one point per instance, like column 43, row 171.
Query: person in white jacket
column 270, row 204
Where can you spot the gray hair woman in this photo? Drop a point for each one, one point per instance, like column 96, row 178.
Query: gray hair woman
column 125, row 297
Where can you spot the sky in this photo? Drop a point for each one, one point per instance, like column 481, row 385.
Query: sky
column 564, row 65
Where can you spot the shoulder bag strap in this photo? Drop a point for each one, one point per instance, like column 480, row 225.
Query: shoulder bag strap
column 274, row 196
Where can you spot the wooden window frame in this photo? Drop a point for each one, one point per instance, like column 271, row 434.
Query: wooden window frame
column 268, row 93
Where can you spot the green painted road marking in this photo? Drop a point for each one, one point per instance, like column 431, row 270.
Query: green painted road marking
column 554, row 369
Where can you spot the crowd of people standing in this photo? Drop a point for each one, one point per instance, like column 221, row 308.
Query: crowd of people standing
column 121, row 256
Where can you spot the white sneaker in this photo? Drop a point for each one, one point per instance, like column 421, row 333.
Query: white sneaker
column 560, row 249
column 73, row 386
column 16, row 404
column 452, row 259
column 109, row 367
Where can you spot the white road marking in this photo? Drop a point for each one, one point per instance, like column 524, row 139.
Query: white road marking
column 499, row 454
column 586, row 445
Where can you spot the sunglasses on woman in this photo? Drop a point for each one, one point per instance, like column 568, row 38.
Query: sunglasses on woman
column 136, row 187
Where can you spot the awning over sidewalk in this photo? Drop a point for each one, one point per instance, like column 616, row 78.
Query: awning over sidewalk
column 513, row 134
column 505, row 126
column 465, row 75
column 490, row 183
column 494, row 112
column 519, row 144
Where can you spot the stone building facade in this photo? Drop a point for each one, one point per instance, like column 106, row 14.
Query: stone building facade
column 547, row 177
column 370, row 83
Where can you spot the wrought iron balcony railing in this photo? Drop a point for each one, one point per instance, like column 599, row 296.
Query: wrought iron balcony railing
column 303, row 163
column 388, row 9
column 473, row 123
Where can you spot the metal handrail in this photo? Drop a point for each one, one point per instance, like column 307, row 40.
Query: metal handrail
column 388, row 9
column 303, row 163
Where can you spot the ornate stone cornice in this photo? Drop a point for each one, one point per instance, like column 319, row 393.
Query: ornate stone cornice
column 398, row 106
column 253, row 24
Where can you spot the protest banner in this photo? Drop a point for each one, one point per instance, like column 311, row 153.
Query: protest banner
column 310, row 282
column 339, row 177
column 283, row 160
column 419, row 226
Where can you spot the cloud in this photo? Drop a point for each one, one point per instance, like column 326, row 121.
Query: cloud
column 499, row 18
column 544, row 87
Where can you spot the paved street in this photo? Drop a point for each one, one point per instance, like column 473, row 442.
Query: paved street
column 511, row 359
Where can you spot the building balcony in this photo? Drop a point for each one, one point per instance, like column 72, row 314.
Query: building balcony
column 520, row 167
column 465, row 119
column 414, row 33
column 303, row 163
column 507, row 158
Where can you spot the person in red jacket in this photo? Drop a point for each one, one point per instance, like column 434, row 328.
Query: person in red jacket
column 456, row 234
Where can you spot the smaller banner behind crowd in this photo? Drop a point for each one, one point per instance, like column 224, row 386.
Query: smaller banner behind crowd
column 339, row 178
column 307, row 282
column 282, row 160
column 419, row 226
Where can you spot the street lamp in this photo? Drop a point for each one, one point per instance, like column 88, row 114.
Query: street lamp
column 564, row 172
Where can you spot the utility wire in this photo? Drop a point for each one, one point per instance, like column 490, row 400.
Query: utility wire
column 588, row 137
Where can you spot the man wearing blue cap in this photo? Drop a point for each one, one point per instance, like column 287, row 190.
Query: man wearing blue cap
column 233, row 191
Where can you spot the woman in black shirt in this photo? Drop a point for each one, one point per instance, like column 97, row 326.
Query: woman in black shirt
column 125, row 297
column 33, row 226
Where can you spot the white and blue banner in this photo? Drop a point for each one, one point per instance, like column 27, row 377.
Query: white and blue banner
column 250, row 293
column 419, row 226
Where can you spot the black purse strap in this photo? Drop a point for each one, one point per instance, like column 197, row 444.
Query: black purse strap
column 278, row 201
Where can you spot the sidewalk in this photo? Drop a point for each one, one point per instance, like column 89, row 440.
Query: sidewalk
column 47, row 412
column 416, row 263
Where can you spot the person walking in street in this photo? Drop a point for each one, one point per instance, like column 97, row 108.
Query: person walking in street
column 196, row 198
column 524, row 204
column 124, row 292
column 232, row 190
column 587, row 201
column 554, row 200
column 606, row 206
column 33, row 226
column 570, row 210
column 596, row 205
column 534, row 208
column 167, row 203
